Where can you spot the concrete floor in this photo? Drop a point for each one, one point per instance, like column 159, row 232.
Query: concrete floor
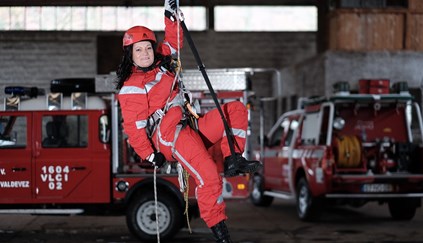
column 247, row 224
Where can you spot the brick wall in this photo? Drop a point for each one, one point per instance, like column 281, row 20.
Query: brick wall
column 35, row 58
column 321, row 72
column 247, row 49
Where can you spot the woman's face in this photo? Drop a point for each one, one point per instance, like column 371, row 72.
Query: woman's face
column 143, row 53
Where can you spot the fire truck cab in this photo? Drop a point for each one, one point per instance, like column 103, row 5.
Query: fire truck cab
column 346, row 149
column 66, row 153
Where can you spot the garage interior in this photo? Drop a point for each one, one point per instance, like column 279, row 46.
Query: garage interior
column 356, row 39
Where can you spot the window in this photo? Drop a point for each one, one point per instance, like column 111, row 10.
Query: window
column 324, row 129
column 276, row 136
column 13, row 131
column 290, row 135
column 265, row 18
column 57, row 129
column 310, row 129
column 90, row 18
column 93, row 18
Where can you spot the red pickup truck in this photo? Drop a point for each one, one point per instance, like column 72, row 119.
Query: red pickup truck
column 346, row 149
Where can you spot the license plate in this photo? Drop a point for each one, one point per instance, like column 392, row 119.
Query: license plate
column 377, row 188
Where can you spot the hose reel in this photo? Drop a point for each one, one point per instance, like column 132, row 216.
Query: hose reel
column 347, row 151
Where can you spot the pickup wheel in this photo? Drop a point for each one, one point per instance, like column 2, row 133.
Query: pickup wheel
column 308, row 207
column 141, row 217
column 403, row 208
column 257, row 196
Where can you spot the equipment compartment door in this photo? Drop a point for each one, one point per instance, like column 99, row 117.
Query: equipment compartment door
column 15, row 157
column 64, row 165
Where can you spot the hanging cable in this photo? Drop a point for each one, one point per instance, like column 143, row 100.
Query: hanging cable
column 186, row 194
column 165, row 110
column 155, row 204
column 179, row 17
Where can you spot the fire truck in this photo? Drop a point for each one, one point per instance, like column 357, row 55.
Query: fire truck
column 348, row 148
column 65, row 152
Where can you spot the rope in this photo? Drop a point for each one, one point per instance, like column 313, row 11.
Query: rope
column 155, row 204
column 179, row 15
column 186, row 175
column 179, row 63
column 186, row 192
column 177, row 32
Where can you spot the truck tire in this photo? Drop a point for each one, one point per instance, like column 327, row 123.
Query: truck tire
column 308, row 207
column 403, row 208
column 141, row 217
column 257, row 196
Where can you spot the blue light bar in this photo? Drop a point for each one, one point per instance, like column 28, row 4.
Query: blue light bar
column 23, row 91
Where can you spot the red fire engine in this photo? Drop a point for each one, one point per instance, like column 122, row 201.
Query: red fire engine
column 65, row 153
column 346, row 149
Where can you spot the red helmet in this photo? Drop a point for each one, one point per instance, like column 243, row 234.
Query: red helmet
column 137, row 34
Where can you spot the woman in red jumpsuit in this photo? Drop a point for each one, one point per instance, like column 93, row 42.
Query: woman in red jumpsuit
column 153, row 107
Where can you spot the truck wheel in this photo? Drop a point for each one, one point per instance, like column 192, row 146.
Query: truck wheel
column 403, row 208
column 257, row 196
column 141, row 217
column 308, row 207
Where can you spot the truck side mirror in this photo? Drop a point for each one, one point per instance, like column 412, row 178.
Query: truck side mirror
column 104, row 130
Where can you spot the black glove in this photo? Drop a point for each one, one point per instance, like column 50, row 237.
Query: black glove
column 157, row 158
column 170, row 8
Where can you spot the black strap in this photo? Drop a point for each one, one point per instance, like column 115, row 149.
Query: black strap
column 202, row 68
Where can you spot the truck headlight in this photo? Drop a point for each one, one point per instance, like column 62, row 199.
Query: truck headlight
column 122, row 186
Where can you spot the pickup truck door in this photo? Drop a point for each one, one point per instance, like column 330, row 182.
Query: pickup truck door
column 64, row 162
column 276, row 156
column 15, row 157
column 288, row 155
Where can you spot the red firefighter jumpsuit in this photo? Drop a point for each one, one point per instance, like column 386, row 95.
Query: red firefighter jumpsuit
column 145, row 92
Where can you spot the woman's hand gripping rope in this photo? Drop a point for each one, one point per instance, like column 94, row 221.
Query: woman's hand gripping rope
column 157, row 159
column 170, row 8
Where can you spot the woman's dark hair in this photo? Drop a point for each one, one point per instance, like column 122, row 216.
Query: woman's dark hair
column 124, row 70
column 125, row 67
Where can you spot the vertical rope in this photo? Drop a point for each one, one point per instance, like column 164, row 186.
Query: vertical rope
column 186, row 194
column 179, row 63
column 185, row 172
column 178, row 34
column 155, row 204
column 166, row 107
